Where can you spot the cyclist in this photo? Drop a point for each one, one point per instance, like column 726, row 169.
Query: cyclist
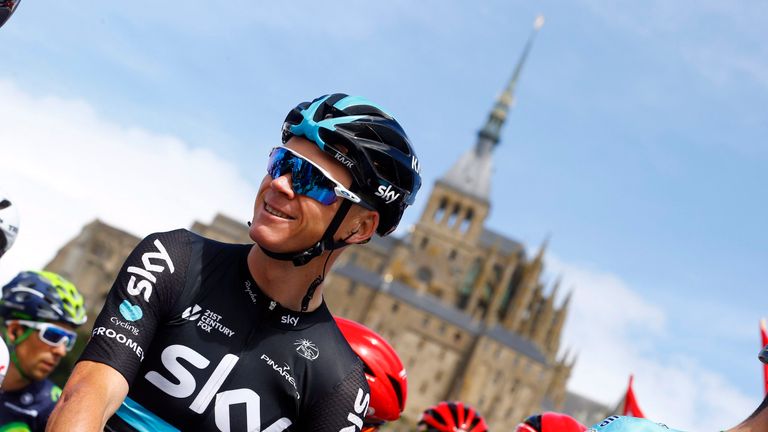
column 451, row 417
column 757, row 421
column 40, row 312
column 550, row 422
column 384, row 372
column 201, row 335
column 9, row 229
column 9, row 224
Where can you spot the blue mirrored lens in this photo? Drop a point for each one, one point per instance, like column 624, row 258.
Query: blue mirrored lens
column 56, row 335
column 306, row 179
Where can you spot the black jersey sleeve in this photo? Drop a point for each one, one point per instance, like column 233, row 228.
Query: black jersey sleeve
column 343, row 408
column 141, row 298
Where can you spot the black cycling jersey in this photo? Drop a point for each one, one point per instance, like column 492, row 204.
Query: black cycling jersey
column 202, row 348
column 28, row 409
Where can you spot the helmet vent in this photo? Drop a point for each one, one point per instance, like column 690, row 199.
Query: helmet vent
column 398, row 392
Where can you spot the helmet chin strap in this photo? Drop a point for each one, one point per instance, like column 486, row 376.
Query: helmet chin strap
column 326, row 243
column 12, row 348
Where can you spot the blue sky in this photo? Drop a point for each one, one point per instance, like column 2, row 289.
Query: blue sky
column 637, row 144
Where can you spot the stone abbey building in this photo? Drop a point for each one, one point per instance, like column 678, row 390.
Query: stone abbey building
column 464, row 306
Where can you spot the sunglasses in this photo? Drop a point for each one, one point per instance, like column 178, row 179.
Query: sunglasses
column 307, row 178
column 52, row 334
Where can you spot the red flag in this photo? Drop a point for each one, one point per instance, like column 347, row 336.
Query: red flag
column 631, row 408
column 764, row 337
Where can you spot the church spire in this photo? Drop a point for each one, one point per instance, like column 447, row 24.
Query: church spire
column 472, row 172
column 489, row 135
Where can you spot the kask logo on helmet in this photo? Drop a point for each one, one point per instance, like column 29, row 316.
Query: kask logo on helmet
column 415, row 165
column 344, row 160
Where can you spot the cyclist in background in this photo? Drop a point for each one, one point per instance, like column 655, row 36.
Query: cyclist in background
column 452, row 417
column 40, row 311
column 550, row 422
column 384, row 372
column 9, row 223
column 756, row 422
column 9, row 229
column 201, row 335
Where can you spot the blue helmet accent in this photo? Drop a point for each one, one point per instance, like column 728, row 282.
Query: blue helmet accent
column 310, row 129
column 367, row 140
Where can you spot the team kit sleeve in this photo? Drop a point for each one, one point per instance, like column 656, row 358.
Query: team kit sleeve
column 343, row 408
column 139, row 301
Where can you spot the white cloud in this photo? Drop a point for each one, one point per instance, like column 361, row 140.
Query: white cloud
column 64, row 165
column 617, row 332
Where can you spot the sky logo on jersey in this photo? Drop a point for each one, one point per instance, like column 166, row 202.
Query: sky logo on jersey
column 288, row 319
column 307, row 349
column 130, row 312
column 183, row 385
column 146, row 284
column 360, row 408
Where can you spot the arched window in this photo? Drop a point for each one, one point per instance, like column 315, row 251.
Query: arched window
column 441, row 210
column 454, row 215
column 467, row 222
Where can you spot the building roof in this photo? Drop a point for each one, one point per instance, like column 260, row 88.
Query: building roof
column 447, row 313
column 507, row 246
column 471, row 174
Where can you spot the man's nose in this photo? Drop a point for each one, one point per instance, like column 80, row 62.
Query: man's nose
column 284, row 185
column 60, row 350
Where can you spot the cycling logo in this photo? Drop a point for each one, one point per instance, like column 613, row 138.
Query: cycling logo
column 207, row 321
column 307, row 349
column 149, row 279
column 130, row 312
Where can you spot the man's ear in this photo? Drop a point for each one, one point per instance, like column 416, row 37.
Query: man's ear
column 361, row 227
column 14, row 331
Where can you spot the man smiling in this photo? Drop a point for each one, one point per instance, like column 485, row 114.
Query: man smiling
column 238, row 337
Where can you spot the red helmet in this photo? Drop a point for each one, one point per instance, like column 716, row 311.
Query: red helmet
column 383, row 370
column 452, row 417
column 550, row 422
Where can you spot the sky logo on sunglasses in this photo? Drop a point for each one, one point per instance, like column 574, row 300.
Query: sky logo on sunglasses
column 130, row 312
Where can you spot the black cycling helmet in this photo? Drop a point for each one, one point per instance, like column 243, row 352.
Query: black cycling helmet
column 367, row 140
